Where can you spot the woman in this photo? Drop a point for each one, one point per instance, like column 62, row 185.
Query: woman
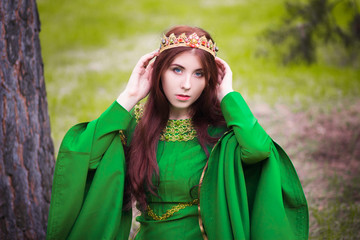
column 196, row 161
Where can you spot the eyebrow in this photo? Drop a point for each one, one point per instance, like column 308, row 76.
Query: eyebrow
column 178, row 65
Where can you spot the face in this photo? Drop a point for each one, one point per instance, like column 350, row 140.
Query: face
column 183, row 83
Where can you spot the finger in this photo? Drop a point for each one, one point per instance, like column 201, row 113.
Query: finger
column 144, row 60
column 227, row 73
column 220, row 66
column 223, row 63
column 149, row 68
column 221, row 70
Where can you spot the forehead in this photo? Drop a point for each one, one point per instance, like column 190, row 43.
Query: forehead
column 188, row 59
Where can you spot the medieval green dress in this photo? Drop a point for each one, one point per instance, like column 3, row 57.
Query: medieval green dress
column 246, row 189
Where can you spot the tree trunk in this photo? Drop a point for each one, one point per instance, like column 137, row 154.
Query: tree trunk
column 26, row 148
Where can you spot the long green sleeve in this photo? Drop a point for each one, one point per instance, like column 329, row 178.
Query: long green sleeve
column 85, row 203
column 257, row 201
column 254, row 141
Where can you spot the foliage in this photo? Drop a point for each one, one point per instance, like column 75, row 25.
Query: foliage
column 314, row 23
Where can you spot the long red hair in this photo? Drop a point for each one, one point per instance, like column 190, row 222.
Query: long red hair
column 142, row 164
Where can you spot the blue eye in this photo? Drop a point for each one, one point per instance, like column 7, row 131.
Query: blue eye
column 199, row 74
column 177, row 70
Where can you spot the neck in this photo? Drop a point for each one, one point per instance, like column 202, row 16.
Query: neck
column 176, row 114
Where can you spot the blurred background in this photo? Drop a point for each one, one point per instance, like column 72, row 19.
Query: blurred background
column 296, row 63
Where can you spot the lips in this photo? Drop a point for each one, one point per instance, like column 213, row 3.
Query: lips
column 182, row 97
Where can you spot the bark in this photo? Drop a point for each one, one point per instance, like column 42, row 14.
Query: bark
column 26, row 148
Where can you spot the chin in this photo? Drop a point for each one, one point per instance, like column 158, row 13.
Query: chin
column 183, row 105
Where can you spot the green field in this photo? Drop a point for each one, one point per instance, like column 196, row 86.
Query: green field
column 90, row 47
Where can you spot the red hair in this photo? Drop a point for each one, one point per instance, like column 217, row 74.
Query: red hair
column 142, row 164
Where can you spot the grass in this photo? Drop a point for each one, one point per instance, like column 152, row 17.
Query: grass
column 335, row 217
column 90, row 47
column 325, row 149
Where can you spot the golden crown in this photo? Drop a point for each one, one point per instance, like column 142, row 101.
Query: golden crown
column 193, row 41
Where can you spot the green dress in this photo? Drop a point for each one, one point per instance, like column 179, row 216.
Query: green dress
column 248, row 187
column 173, row 214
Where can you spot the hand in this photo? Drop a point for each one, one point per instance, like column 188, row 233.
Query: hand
column 139, row 83
column 224, row 78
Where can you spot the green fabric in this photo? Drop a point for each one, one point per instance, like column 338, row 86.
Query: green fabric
column 180, row 167
column 87, row 204
column 258, row 201
column 250, row 189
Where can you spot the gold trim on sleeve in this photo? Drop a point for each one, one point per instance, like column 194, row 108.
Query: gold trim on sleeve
column 138, row 111
column 122, row 137
column 201, row 225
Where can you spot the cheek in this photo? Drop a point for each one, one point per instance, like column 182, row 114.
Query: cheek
column 165, row 83
column 200, row 86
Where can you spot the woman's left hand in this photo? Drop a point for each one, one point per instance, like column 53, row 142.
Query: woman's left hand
column 224, row 78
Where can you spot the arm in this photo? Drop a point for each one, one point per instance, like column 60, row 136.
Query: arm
column 254, row 141
column 138, row 85
column 106, row 128
column 95, row 137
column 79, row 194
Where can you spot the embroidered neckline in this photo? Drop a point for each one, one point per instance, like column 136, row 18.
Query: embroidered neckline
column 175, row 130
column 178, row 130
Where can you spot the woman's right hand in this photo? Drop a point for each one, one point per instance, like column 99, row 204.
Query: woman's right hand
column 139, row 83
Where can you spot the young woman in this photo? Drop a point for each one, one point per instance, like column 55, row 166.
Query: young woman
column 193, row 158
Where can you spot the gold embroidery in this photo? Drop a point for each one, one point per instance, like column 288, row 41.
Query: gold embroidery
column 199, row 210
column 178, row 130
column 138, row 111
column 171, row 211
column 175, row 130
column 122, row 137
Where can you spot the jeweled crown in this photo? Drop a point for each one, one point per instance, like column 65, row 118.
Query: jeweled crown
column 192, row 40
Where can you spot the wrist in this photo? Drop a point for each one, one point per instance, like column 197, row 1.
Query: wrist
column 223, row 93
column 127, row 101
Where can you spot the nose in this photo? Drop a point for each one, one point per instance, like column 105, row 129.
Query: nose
column 186, row 83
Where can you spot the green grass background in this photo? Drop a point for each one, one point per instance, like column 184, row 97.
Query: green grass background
column 90, row 47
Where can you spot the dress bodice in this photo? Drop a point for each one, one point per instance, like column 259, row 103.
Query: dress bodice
column 181, row 161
